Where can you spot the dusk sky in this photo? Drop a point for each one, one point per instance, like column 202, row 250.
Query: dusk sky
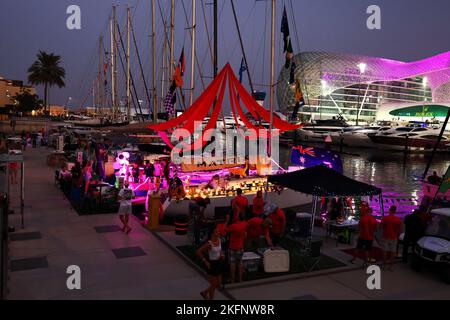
column 411, row 30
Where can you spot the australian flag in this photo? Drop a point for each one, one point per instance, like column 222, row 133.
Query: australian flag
column 310, row 157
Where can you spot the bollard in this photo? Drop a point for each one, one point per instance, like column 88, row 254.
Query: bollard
column 153, row 211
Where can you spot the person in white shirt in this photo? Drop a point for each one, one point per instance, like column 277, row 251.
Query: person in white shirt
column 125, row 197
column 158, row 169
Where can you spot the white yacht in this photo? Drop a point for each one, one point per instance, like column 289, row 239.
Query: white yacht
column 411, row 137
column 319, row 130
column 358, row 137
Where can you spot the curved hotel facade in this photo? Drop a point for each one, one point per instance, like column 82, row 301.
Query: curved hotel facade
column 356, row 87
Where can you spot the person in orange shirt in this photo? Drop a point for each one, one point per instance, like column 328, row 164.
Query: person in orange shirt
column 13, row 169
column 367, row 228
column 238, row 232
column 392, row 227
column 277, row 219
column 257, row 231
column 240, row 201
column 236, row 212
column 258, row 204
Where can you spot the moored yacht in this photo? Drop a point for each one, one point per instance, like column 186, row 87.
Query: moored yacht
column 319, row 130
column 412, row 138
column 358, row 137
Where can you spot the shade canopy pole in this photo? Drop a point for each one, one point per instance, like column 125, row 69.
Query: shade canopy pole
column 314, row 209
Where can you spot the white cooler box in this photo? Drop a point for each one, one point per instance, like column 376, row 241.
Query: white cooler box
column 251, row 261
column 275, row 260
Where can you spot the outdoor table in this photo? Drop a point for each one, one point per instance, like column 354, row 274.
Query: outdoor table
column 336, row 228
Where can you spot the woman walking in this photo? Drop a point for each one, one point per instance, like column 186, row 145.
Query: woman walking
column 214, row 263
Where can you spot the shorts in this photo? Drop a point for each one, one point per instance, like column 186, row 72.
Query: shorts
column 364, row 244
column 216, row 268
column 125, row 210
column 275, row 238
column 389, row 245
column 235, row 256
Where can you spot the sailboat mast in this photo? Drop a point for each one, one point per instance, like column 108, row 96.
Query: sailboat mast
column 115, row 69
column 128, row 64
column 154, row 97
column 116, row 65
column 172, row 36
column 194, row 27
column 113, row 95
column 164, row 67
column 100, row 74
column 272, row 75
column 94, row 106
column 215, row 38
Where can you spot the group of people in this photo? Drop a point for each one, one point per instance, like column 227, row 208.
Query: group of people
column 156, row 170
column 34, row 140
column 391, row 226
column 246, row 228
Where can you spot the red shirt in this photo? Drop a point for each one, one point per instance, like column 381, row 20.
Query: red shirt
column 237, row 232
column 13, row 165
column 278, row 221
column 241, row 202
column 392, row 227
column 367, row 227
column 255, row 228
column 221, row 228
column 258, row 206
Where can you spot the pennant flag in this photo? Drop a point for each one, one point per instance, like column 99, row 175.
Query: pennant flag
column 242, row 69
column 289, row 55
column 310, row 157
column 170, row 100
column 292, row 73
column 182, row 63
column 299, row 100
column 105, row 70
column 285, row 29
column 179, row 71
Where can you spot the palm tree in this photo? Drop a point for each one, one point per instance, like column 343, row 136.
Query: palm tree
column 47, row 71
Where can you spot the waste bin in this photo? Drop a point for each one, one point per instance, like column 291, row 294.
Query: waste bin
column 181, row 225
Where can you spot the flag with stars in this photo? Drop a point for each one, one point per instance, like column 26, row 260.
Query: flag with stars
column 310, row 157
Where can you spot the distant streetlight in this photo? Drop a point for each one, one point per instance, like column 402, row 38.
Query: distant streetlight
column 362, row 69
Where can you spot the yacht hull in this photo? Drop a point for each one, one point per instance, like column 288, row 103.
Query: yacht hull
column 412, row 144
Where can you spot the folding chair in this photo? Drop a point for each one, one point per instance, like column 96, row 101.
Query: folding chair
column 313, row 252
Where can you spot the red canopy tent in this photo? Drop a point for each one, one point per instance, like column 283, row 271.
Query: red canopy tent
column 212, row 99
